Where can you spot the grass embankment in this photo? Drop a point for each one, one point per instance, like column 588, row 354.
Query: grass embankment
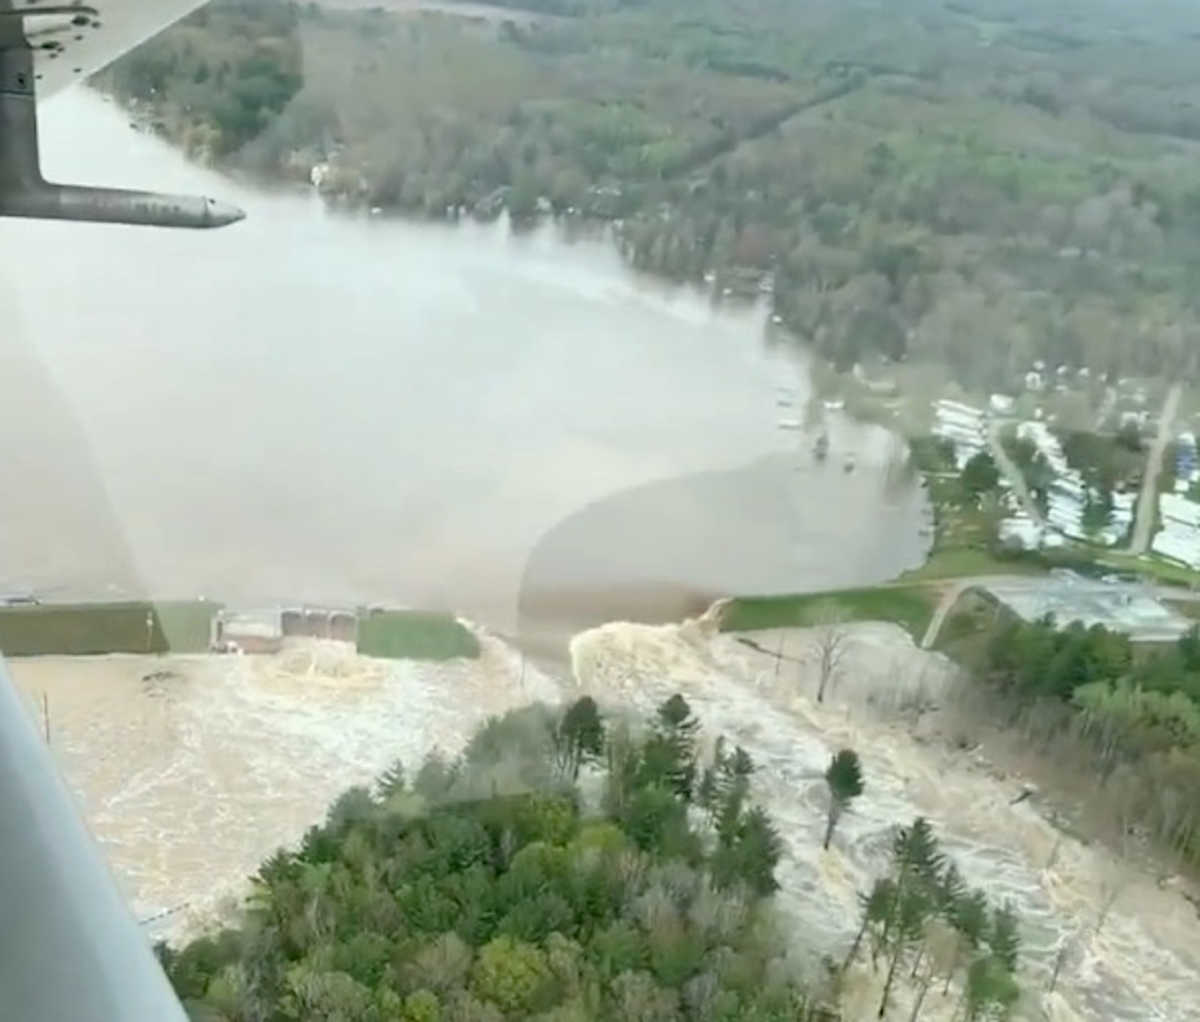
column 959, row 562
column 89, row 628
column 910, row 606
column 415, row 635
column 1151, row 566
column 969, row 625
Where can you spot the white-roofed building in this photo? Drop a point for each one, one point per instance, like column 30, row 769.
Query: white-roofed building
column 1069, row 494
column 963, row 425
column 1179, row 537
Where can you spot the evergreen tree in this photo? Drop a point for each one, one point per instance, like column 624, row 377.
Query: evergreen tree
column 1003, row 938
column 844, row 780
column 392, row 781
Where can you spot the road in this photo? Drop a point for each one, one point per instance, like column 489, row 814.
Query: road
column 1013, row 474
column 953, row 589
column 1148, row 500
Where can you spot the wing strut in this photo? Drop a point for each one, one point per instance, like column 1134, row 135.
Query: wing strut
column 23, row 190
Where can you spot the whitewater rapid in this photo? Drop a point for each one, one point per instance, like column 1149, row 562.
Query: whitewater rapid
column 1143, row 964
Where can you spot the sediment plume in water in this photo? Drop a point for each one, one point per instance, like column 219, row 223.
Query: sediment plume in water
column 193, row 769
column 1142, row 964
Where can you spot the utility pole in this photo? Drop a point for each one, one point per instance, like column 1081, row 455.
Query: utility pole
column 46, row 715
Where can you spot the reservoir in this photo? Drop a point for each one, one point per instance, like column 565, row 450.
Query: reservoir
column 347, row 408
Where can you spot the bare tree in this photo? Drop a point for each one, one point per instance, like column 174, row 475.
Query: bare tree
column 1068, row 951
column 1115, row 881
column 1116, row 874
column 832, row 642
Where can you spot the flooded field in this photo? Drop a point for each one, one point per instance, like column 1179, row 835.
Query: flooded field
column 1143, row 964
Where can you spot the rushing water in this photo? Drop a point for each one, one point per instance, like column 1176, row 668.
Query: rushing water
column 1141, row 965
column 321, row 407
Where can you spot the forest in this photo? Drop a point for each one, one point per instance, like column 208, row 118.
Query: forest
column 567, row 867
column 973, row 185
column 1135, row 711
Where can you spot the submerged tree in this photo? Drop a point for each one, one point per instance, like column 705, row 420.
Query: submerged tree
column 669, row 755
column 844, row 779
column 922, row 912
column 832, row 642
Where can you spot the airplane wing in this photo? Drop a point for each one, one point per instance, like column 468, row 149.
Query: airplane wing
column 70, row 949
column 45, row 46
column 69, row 42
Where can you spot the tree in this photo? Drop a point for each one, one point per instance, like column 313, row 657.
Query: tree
column 979, row 476
column 913, row 907
column 669, row 755
column 832, row 643
column 522, row 198
column 392, row 781
column 352, row 806
column 724, row 788
column 434, row 779
column 483, row 909
column 844, row 779
column 875, row 908
column 1129, row 435
column 579, row 735
column 990, row 986
column 750, row 855
column 1003, row 938
column 969, row 916
column 512, row 975
column 918, row 866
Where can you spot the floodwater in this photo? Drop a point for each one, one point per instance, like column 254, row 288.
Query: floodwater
column 1141, row 965
column 307, row 406
column 191, row 770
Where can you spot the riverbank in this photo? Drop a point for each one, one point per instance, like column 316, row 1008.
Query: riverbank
column 774, row 151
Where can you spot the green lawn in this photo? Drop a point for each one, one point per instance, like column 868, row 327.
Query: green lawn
column 1167, row 572
column 415, row 635
column 955, row 562
column 965, row 632
column 910, row 606
column 86, row 628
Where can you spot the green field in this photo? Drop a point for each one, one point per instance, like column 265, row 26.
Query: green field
column 85, row 628
column 415, row 635
column 1152, row 566
column 910, row 606
column 956, row 562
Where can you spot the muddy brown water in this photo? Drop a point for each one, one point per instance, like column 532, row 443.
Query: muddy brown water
column 308, row 406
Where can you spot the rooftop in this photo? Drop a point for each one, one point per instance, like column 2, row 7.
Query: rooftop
column 1118, row 606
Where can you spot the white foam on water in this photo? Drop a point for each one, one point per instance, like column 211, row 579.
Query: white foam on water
column 1143, row 964
column 190, row 779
